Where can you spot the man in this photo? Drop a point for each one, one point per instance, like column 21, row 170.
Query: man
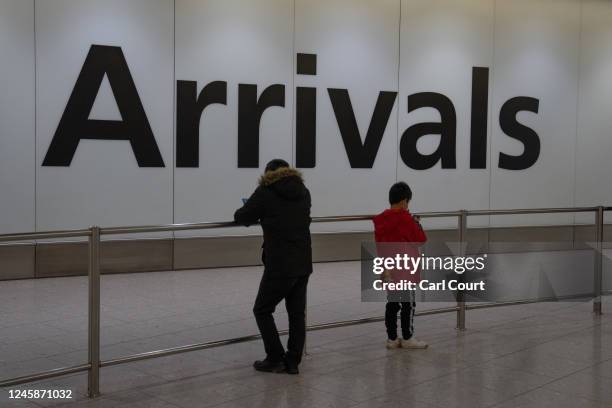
column 281, row 203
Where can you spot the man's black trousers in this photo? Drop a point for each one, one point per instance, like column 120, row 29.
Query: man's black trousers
column 271, row 293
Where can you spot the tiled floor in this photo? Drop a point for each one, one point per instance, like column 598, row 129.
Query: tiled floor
column 540, row 355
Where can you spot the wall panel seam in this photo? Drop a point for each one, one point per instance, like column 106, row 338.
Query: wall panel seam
column 399, row 98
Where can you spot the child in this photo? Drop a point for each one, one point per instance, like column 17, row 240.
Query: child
column 397, row 225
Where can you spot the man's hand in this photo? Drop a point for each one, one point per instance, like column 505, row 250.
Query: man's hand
column 252, row 210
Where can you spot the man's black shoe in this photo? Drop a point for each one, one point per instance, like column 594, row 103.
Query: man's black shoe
column 291, row 367
column 269, row 366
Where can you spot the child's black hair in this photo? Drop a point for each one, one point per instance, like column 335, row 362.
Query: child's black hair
column 398, row 192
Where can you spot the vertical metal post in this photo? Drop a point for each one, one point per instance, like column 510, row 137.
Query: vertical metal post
column 93, row 378
column 597, row 281
column 462, row 229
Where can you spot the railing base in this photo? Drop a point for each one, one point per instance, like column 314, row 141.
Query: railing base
column 597, row 308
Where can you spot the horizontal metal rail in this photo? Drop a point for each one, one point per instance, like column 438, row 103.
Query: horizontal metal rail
column 229, row 224
column 57, row 372
column 45, row 235
column 344, row 218
column 487, row 305
column 167, row 228
column 226, row 342
column 525, row 211
column 93, row 233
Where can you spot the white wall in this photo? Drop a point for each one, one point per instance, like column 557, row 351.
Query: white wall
column 256, row 48
column 537, row 53
column 440, row 43
column 558, row 51
column 594, row 145
column 17, row 146
column 356, row 43
column 104, row 184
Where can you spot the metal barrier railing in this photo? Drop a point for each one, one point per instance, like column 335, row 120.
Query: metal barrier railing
column 94, row 233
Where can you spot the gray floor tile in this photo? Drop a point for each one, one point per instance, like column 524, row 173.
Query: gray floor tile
column 540, row 361
column 545, row 398
column 505, row 381
column 603, row 370
column 456, row 391
column 202, row 391
column 395, row 401
column 585, row 384
column 293, row 396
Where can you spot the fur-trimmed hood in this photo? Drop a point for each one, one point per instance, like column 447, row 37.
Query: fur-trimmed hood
column 285, row 181
column 271, row 177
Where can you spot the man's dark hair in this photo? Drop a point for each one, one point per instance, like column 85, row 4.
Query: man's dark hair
column 398, row 192
column 276, row 164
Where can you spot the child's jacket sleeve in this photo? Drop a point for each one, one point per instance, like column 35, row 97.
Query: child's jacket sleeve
column 412, row 230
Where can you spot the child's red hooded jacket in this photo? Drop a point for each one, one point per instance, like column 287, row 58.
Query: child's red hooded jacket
column 398, row 227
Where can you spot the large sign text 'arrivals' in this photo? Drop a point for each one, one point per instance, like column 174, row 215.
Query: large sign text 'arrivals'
column 134, row 126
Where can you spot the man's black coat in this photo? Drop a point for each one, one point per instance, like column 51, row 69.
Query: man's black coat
column 281, row 203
